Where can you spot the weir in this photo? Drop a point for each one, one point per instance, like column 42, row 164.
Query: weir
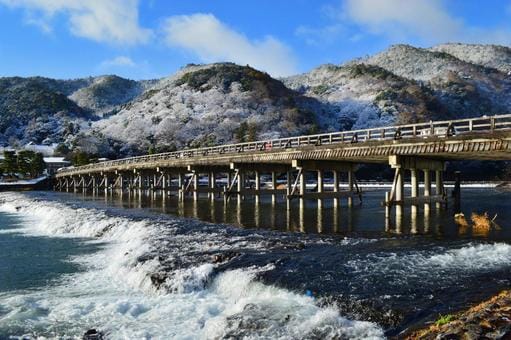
column 296, row 168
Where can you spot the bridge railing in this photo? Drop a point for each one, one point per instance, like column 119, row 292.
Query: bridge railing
column 442, row 129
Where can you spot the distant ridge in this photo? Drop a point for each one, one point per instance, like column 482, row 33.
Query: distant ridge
column 224, row 102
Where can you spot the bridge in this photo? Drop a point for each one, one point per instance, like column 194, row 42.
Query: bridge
column 236, row 169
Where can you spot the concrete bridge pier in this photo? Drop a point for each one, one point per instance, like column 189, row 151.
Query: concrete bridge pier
column 336, row 189
column 414, row 194
column 241, row 171
column 119, row 181
column 321, row 187
column 299, row 189
column 257, row 186
column 439, row 187
column 212, row 185
column 350, row 187
column 427, row 191
column 396, row 196
column 274, row 187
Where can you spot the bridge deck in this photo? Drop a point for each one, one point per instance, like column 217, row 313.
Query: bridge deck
column 485, row 138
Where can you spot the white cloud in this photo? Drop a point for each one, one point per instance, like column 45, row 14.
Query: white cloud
column 112, row 21
column 428, row 20
column 213, row 41
column 323, row 35
column 120, row 61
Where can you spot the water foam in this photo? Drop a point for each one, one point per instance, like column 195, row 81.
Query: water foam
column 439, row 265
column 116, row 293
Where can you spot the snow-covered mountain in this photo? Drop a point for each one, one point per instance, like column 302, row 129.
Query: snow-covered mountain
column 103, row 94
column 221, row 103
column 494, row 56
column 362, row 95
column 207, row 105
column 40, row 109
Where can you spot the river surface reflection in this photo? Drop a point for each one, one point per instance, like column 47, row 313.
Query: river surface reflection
column 324, row 217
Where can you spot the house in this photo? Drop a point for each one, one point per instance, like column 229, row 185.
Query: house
column 46, row 150
column 55, row 163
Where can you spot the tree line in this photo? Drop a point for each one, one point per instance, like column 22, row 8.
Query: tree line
column 25, row 163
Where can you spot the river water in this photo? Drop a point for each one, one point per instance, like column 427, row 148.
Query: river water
column 153, row 266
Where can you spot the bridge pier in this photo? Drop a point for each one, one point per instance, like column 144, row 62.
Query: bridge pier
column 396, row 196
column 439, row 186
column 321, row 167
column 427, row 191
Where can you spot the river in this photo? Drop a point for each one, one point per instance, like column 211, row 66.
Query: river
column 152, row 266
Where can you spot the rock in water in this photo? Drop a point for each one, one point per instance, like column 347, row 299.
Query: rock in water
column 93, row 334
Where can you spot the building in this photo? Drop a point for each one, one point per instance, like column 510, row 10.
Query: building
column 55, row 163
column 46, row 150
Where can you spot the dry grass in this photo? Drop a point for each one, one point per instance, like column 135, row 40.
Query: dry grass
column 462, row 223
column 490, row 316
column 481, row 223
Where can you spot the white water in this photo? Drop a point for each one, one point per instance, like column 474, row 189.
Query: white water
column 116, row 296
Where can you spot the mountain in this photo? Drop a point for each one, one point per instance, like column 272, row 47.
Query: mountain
column 40, row 109
column 32, row 107
column 208, row 105
column 405, row 84
column 102, row 94
column 492, row 56
column 465, row 89
column 362, row 95
column 222, row 103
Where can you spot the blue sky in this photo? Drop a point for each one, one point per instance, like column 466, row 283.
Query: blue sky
column 154, row 38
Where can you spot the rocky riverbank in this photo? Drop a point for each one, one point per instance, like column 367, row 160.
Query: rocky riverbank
column 490, row 319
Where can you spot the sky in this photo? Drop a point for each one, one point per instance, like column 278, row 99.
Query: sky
column 146, row 39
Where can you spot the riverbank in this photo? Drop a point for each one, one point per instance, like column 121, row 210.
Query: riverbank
column 40, row 183
column 490, row 319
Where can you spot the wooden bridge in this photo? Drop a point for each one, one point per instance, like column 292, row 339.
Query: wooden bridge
column 236, row 169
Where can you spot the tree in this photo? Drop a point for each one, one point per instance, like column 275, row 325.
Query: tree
column 62, row 150
column 251, row 133
column 24, row 162
column 38, row 165
column 241, row 132
column 10, row 162
column 80, row 158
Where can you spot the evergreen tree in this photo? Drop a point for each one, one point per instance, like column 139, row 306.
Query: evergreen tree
column 10, row 165
column 241, row 132
column 80, row 158
column 251, row 132
column 24, row 162
column 38, row 165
